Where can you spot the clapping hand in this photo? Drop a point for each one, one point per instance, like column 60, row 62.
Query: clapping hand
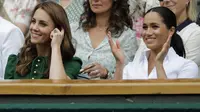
column 161, row 55
column 116, row 50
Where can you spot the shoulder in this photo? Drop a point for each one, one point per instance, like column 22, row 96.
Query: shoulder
column 181, row 62
column 189, row 69
column 8, row 27
column 127, row 33
column 73, row 61
column 192, row 28
column 12, row 61
column 13, row 57
column 74, row 26
column 128, row 36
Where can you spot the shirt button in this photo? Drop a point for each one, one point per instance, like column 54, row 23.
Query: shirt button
column 34, row 72
column 36, row 65
column 33, row 78
column 38, row 60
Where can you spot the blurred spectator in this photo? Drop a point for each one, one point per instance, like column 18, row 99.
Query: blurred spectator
column 19, row 12
column 12, row 39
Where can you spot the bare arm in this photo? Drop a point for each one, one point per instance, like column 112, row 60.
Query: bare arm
column 119, row 56
column 161, row 74
column 57, row 70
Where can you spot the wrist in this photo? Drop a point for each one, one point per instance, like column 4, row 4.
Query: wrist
column 158, row 63
column 56, row 47
column 119, row 63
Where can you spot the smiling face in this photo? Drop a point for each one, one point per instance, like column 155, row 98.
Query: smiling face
column 177, row 6
column 41, row 27
column 100, row 6
column 155, row 32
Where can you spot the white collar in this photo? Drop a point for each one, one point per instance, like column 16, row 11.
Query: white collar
column 170, row 55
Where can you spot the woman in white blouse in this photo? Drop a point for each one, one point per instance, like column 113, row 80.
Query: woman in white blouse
column 164, row 57
column 186, row 14
column 90, row 36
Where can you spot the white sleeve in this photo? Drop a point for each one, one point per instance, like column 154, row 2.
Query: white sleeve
column 189, row 70
column 127, row 71
column 192, row 47
column 12, row 44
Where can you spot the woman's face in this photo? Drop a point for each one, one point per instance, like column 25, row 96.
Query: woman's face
column 177, row 6
column 100, row 6
column 155, row 32
column 41, row 27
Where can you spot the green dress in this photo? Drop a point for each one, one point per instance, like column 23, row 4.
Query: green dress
column 39, row 66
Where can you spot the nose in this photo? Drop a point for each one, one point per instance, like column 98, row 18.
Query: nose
column 34, row 27
column 148, row 32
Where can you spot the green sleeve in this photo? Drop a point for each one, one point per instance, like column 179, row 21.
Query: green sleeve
column 73, row 67
column 11, row 67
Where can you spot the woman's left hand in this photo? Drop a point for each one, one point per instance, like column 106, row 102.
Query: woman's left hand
column 95, row 70
column 57, row 37
column 161, row 55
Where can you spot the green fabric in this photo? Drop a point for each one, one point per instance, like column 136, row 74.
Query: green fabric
column 39, row 66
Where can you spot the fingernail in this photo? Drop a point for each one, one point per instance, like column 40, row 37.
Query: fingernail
column 81, row 70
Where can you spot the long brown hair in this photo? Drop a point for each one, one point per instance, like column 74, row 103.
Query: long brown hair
column 119, row 17
column 29, row 53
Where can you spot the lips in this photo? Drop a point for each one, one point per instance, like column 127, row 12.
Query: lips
column 96, row 5
column 35, row 35
column 150, row 39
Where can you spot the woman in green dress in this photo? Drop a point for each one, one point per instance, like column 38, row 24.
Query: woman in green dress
column 48, row 51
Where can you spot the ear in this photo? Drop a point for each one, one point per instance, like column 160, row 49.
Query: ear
column 172, row 30
column 187, row 2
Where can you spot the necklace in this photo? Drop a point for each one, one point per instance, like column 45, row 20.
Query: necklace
column 101, row 28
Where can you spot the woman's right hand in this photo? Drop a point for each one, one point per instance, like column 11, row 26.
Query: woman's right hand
column 116, row 50
column 57, row 37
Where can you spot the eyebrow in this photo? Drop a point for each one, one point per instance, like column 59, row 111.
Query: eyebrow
column 42, row 21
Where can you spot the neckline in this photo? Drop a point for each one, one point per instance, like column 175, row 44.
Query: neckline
column 184, row 24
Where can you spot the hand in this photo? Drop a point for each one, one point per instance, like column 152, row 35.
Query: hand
column 117, row 52
column 161, row 55
column 95, row 70
column 57, row 37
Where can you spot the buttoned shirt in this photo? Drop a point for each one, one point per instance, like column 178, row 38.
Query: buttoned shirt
column 39, row 66
column 102, row 54
column 175, row 67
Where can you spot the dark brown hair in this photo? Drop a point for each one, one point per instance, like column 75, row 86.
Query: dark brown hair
column 119, row 17
column 29, row 53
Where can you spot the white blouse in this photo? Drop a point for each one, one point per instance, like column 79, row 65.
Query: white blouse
column 174, row 65
column 12, row 39
column 102, row 54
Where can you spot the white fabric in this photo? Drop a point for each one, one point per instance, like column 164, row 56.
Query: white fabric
column 11, row 41
column 191, row 40
column 174, row 65
column 102, row 54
